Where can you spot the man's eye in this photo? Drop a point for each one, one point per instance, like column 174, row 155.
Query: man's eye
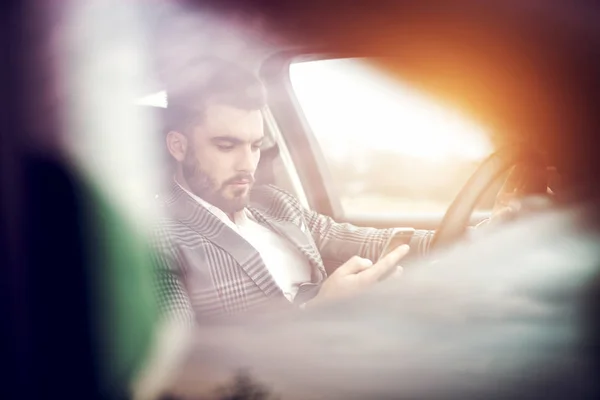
column 224, row 147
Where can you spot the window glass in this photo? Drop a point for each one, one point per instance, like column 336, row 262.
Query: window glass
column 388, row 147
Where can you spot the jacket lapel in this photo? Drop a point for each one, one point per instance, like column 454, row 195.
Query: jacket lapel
column 187, row 210
column 298, row 237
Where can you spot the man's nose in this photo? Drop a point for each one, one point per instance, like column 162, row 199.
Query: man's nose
column 247, row 161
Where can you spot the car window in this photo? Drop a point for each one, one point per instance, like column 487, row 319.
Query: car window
column 388, row 148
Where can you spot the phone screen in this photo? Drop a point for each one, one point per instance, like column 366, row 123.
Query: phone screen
column 400, row 237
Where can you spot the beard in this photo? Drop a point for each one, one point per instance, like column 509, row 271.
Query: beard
column 223, row 196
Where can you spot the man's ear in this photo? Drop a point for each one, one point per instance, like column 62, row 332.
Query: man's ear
column 177, row 144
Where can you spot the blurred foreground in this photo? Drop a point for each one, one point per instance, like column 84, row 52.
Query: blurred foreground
column 517, row 327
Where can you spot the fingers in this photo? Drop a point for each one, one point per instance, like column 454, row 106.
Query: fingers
column 355, row 265
column 386, row 265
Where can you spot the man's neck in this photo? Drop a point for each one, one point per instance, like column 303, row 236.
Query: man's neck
column 181, row 181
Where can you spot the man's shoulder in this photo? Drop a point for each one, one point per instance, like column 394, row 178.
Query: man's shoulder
column 169, row 231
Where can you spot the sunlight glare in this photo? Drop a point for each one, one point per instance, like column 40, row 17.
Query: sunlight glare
column 158, row 99
column 349, row 103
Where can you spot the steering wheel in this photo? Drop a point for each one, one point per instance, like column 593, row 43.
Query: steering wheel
column 528, row 175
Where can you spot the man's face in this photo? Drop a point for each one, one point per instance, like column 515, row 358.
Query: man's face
column 222, row 154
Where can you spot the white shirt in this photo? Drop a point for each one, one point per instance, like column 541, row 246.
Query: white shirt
column 288, row 267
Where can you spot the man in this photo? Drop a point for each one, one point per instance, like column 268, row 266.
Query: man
column 225, row 247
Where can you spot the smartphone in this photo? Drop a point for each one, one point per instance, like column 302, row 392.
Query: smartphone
column 400, row 237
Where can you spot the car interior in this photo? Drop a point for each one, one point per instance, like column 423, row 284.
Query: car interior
column 293, row 159
column 519, row 78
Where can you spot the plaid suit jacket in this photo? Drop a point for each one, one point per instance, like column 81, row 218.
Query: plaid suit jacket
column 205, row 269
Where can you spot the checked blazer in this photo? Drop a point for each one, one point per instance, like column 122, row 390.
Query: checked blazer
column 205, row 269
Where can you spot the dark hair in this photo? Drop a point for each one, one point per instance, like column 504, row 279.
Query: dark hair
column 210, row 81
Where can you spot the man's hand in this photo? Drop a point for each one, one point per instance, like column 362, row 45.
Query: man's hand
column 358, row 274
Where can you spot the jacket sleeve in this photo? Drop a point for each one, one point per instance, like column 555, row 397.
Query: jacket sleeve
column 173, row 301
column 338, row 242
